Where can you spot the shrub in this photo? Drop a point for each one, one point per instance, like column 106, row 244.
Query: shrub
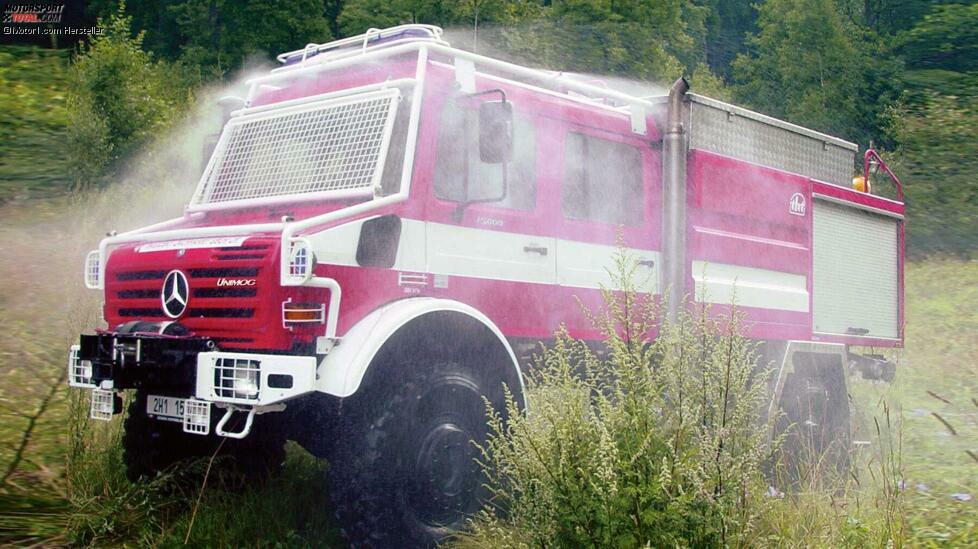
column 642, row 442
column 119, row 99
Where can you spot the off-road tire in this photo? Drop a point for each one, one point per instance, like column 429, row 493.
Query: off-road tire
column 816, row 424
column 150, row 446
column 404, row 471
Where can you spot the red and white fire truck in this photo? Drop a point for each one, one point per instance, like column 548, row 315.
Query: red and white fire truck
column 387, row 226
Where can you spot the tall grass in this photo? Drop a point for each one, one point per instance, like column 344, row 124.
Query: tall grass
column 663, row 442
column 655, row 441
column 185, row 505
column 861, row 506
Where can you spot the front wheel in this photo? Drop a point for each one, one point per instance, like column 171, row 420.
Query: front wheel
column 151, row 446
column 405, row 473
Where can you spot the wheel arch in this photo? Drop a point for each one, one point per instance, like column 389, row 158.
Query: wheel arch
column 343, row 370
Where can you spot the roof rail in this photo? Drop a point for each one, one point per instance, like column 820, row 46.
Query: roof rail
column 361, row 43
column 377, row 44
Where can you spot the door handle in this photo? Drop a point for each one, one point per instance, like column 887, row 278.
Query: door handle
column 535, row 250
column 650, row 263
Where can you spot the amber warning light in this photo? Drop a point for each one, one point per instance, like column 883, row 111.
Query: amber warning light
column 860, row 184
column 302, row 313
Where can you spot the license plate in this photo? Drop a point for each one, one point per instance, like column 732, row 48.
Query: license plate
column 165, row 408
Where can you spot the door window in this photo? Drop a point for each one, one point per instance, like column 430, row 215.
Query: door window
column 602, row 180
column 460, row 173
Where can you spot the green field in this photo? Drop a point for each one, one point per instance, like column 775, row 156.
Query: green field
column 937, row 375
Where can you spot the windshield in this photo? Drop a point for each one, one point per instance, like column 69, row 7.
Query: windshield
column 321, row 149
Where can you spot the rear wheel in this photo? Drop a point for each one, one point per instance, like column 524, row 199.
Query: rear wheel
column 815, row 419
column 404, row 473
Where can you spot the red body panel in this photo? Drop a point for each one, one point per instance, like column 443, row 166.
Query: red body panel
column 737, row 213
column 237, row 317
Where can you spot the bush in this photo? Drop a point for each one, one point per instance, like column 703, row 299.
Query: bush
column 119, row 99
column 936, row 162
column 653, row 442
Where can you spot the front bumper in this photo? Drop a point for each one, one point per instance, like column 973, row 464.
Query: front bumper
column 190, row 368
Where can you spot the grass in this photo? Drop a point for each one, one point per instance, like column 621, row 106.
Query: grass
column 937, row 375
column 33, row 116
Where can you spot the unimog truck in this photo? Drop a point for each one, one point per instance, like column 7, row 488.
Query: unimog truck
column 388, row 226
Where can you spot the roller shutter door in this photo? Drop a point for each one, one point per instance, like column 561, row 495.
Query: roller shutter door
column 855, row 285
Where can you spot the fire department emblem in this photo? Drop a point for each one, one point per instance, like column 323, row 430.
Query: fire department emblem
column 175, row 294
column 796, row 206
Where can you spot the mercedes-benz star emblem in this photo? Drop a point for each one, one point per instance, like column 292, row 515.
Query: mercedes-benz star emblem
column 175, row 294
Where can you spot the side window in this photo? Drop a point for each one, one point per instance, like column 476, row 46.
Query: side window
column 459, row 172
column 602, row 180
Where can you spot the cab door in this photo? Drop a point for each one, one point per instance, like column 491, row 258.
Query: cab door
column 486, row 242
column 606, row 206
column 606, row 201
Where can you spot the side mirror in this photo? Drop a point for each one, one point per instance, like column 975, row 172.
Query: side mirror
column 495, row 131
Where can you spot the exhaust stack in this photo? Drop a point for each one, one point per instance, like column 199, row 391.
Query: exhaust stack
column 674, row 200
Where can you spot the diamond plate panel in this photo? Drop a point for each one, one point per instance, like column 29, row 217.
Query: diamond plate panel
column 854, row 280
column 745, row 135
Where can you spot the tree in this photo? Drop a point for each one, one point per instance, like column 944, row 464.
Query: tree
column 727, row 25
column 219, row 35
column 629, row 38
column 359, row 15
column 946, row 38
column 811, row 66
column 119, row 98
column 936, row 161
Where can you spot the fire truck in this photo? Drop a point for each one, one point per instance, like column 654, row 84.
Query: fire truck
column 388, row 226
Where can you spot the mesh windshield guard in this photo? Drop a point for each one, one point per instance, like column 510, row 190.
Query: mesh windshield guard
column 319, row 149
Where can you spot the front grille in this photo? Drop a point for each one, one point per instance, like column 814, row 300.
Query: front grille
column 224, row 292
column 138, row 294
column 247, row 248
column 230, row 314
column 221, row 313
column 141, row 312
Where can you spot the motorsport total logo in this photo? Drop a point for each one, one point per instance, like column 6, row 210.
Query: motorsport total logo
column 32, row 13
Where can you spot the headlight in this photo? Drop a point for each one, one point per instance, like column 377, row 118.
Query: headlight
column 301, row 261
column 236, row 378
column 246, row 387
column 93, row 270
column 79, row 371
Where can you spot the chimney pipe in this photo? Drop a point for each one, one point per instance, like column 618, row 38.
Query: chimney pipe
column 674, row 201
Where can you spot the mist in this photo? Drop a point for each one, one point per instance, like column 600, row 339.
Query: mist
column 49, row 240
